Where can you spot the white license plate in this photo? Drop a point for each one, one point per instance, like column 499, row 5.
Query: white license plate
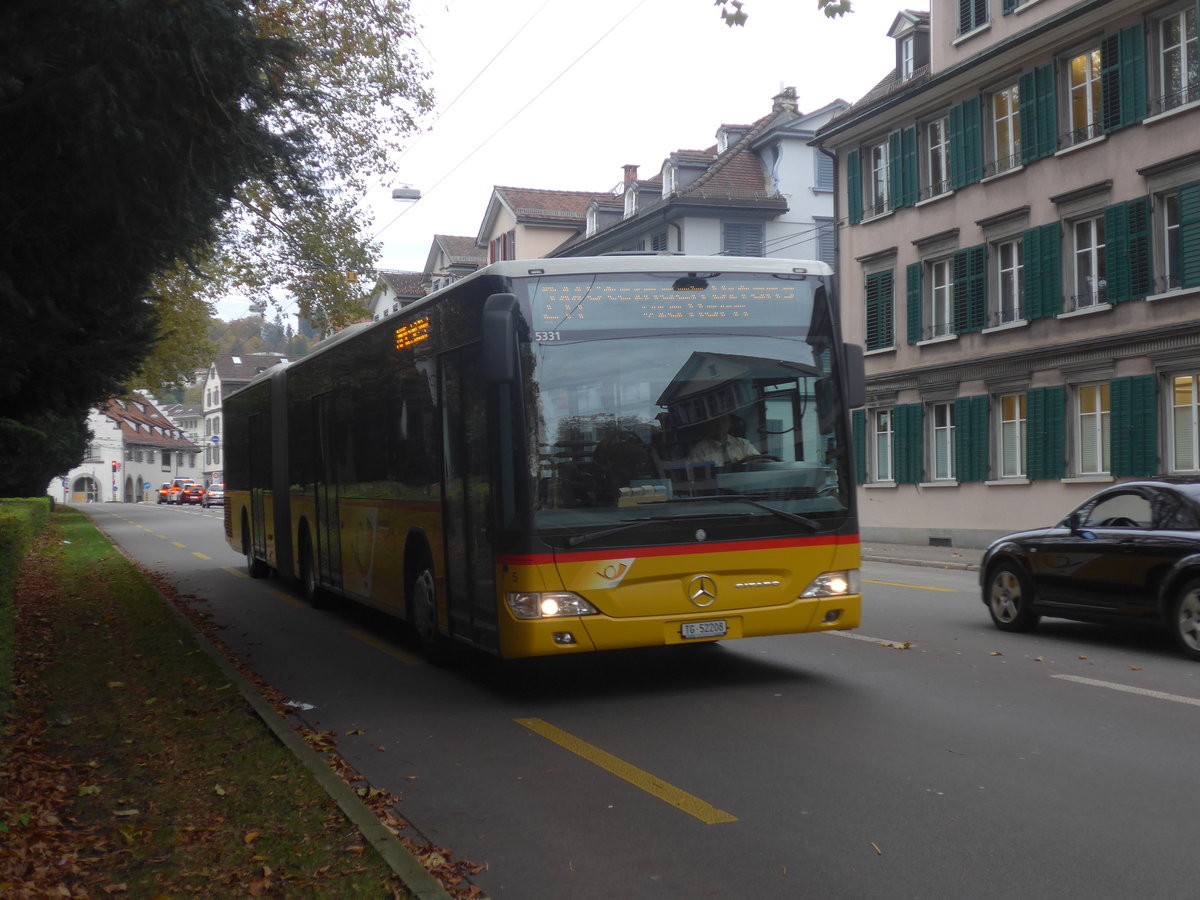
column 704, row 629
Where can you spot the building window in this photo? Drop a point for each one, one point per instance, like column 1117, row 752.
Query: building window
column 881, row 445
column 503, row 247
column 1088, row 251
column 1179, row 78
column 1169, row 211
column 879, row 319
column 1010, row 283
column 941, row 441
column 742, row 239
column 972, row 14
column 877, row 198
column 1006, row 129
column 826, row 240
column 1092, row 430
column 824, row 173
column 658, row 242
column 1185, row 423
column 907, row 48
column 937, row 158
column 1012, row 436
column 941, row 298
column 1083, row 75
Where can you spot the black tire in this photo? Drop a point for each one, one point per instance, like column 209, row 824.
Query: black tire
column 255, row 567
column 1184, row 619
column 316, row 596
column 1009, row 598
column 422, row 616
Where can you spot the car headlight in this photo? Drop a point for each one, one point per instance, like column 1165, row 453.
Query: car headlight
column 548, row 605
column 833, row 584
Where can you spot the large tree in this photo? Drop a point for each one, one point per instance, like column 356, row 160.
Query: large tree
column 155, row 152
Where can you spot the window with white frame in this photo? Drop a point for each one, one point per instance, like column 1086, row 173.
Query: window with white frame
column 907, row 56
column 1179, row 64
column 878, row 199
column 972, row 14
column 1010, row 282
column 1012, row 436
column 1168, row 211
column 1185, row 423
column 1006, row 129
column 881, row 445
column 941, row 298
column 1084, row 92
column 937, row 157
column 1092, row 436
column 941, row 441
column 1088, row 261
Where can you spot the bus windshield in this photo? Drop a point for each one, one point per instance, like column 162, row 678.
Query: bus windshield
column 660, row 402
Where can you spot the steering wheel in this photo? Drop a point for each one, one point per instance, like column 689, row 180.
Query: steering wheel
column 757, row 458
column 1119, row 522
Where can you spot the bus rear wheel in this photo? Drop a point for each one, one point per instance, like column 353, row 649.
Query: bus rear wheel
column 313, row 593
column 255, row 567
column 422, row 615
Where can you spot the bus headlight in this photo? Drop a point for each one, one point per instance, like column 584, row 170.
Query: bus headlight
column 833, row 584
column 548, row 605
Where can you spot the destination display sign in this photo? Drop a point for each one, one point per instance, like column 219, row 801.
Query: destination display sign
column 561, row 307
column 412, row 333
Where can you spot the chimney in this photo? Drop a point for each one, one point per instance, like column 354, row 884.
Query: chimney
column 630, row 173
column 785, row 101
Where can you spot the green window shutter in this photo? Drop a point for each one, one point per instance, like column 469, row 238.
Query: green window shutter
column 858, row 428
column 908, row 447
column 971, row 443
column 966, row 143
column 1039, row 113
column 1189, row 235
column 1129, row 266
column 742, row 238
column 1009, row 6
column 879, row 319
column 970, row 288
column 1123, row 78
column 1134, row 426
column 1045, row 433
column 854, row 186
column 913, row 273
column 1043, row 271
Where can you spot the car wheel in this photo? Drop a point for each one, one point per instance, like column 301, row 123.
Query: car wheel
column 422, row 612
column 1010, row 598
column 1185, row 619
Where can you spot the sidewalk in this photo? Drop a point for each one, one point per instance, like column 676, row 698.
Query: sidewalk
column 915, row 555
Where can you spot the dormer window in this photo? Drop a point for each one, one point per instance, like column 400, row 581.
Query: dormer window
column 907, row 50
column 630, row 202
column 668, row 180
column 591, row 221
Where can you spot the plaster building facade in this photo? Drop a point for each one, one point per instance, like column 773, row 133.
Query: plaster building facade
column 224, row 376
column 1020, row 257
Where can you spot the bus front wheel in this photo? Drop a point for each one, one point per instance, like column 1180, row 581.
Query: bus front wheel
column 313, row 593
column 422, row 612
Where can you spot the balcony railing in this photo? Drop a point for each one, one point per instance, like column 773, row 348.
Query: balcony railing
column 1087, row 300
column 1189, row 93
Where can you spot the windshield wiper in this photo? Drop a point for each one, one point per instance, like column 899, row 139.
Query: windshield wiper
column 576, row 540
column 808, row 523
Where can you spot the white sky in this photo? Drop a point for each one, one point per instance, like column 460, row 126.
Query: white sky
column 582, row 87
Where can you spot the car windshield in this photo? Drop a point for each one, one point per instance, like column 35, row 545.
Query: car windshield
column 638, row 431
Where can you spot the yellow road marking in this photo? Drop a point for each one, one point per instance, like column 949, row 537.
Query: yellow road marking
column 681, row 800
column 287, row 598
column 236, row 573
column 383, row 647
column 915, row 587
column 201, row 556
column 179, row 545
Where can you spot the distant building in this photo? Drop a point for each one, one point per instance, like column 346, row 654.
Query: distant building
column 224, row 376
column 134, row 449
column 528, row 223
column 394, row 291
column 450, row 258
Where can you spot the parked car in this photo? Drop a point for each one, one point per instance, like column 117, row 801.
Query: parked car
column 191, row 493
column 214, row 495
column 1129, row 555
column 164, row 492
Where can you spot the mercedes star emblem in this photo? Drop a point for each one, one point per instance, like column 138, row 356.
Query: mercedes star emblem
column 702, row 590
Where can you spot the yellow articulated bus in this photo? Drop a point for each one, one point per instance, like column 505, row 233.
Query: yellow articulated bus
column 555, row 456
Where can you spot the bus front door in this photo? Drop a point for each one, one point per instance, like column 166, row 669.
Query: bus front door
column 469, row 568
column 328, row 536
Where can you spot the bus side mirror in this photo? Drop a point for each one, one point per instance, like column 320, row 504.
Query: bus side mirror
column 856, row 376
column 500, row 339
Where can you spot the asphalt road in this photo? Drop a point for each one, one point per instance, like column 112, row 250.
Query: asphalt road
column 926, row 755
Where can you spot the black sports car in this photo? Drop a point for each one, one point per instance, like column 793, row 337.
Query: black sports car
column 1129, row 554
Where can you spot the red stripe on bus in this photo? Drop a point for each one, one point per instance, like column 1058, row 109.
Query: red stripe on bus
column 568, row 556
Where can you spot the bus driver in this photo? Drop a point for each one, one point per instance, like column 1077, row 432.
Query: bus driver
column 720, row 446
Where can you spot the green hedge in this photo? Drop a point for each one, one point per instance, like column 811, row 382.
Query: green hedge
column 20, row 523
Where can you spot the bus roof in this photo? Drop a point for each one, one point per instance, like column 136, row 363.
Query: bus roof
column 656, row 262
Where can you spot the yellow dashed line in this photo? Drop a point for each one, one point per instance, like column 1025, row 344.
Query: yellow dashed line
column 383, row 647
column 201, row 556
column 639, row 778
column 915, row 587
column 287, row 598
column 236, row 573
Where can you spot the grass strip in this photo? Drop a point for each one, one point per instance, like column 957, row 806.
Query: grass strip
column 132, row 766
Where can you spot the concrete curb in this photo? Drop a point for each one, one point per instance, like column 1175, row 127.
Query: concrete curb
column 928, row 563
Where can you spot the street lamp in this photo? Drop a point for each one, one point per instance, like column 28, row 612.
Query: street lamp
column 406, row 194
